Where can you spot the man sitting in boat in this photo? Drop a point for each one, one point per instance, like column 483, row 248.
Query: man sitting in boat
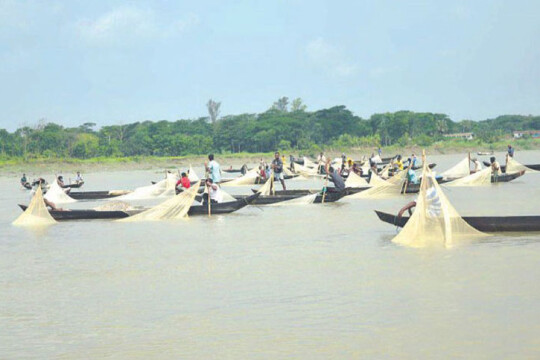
column 411, row 176
column 433, row 203
column 79, row 179
column 398, row 164
column 495, row 167
column 184, row 181
column 277, row 166
column 262, row 174
column 334, row 176
column 510, row 151
column 24, row 181
column 412, row 161
column 216, row 196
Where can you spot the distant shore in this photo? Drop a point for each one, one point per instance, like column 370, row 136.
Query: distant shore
column 32, row 167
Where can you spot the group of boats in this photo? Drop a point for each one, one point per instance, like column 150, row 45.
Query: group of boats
column 301, row 169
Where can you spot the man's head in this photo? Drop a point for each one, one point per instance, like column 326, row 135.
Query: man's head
column 276, row 154
column 60, row 178
column 492, row 159
column 24, row 175
column 211, row 157
column 209, row 181
column 78, row 173
column 184, row 174
column 509, row 146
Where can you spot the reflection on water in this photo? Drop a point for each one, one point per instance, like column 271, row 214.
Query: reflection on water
column 313, row 282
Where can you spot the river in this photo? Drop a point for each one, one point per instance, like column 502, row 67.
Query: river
column 297, row 282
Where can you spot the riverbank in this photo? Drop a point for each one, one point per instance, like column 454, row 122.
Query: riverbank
column 34, row 167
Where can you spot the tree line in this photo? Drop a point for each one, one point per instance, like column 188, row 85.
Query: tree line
column 284, row 126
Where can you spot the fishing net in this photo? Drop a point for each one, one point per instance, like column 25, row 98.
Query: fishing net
column 354, row 180
column 307, row 172
column 302, row 200
column 287, row 172
column 248, row 179
column 512, row 166
column 381, row 189
column 268, row 187
column 222, row 195
column 163, row 188
column 175, row 208
column 461, row 169
column 192, row 175
column 308, row 163
column 36, row 214
column 56, row 195
column 114, row 206
column 479, row 178
column 435, row 222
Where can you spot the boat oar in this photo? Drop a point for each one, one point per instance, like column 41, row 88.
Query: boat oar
column 209, row 201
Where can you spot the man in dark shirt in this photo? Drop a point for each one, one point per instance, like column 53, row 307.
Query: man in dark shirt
column 510, row 151
column 277, row 166
column 335, row 177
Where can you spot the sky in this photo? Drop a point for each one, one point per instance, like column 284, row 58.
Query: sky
column 116, row 62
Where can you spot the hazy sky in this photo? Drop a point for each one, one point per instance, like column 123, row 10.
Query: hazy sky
column 113, row 62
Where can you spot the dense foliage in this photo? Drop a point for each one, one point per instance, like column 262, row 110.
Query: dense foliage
column 277, row 128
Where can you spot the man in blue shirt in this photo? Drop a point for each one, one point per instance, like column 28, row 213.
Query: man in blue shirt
column 277, row 166
column 510, row 151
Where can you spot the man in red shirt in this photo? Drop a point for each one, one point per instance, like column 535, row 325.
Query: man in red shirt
column 184, row 181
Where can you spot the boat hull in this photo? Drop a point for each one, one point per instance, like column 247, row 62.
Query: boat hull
column 481, row 223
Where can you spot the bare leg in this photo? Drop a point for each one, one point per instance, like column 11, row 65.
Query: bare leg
column 283, row 184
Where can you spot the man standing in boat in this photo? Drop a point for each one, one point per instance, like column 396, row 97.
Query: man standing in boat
column 495, row 168
column 213, row 169
column 277, row 166
column 510, row 151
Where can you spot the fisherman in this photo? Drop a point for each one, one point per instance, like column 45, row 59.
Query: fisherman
column 477, row 165
column 343, row 160
column 79, row 179
column 398, row 164
column 213, row 169
column 60, row 181
column 334, row 176
column 411, row 176
column 432, row 203
column 379, row 151
column 495, row 167
column 184, row 181
column 24, row 181
column 321, row 159
column 216, row 196
column 510, row 151
column 277, row 166
column 262, row 174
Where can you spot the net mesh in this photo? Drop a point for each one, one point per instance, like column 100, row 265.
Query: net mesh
column 479, row 178
column 56, row 195
column 354, row 180
column 175, row 208
column 192, row 175
column 461, row 169
column 268, row 186
column 36, row 214
column 163, row 188
column 435, row 222
column 381, row 189
column 512, row 166
column 248, row 179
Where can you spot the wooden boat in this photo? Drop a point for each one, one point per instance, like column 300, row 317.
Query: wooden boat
column 415, row 188
column 73, row 186
column 90, row 214
column 242, row 170
column 27, row 186
column 503, row 167
column 481, row 223
column 484, row 153
column 304, row 192
column 95, row 195
column 272, row 199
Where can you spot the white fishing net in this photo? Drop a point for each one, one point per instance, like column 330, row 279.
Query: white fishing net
column 512, row 166
column 354, row 180
column 36, row 214
column 461, row 169
column 479, row 178
column 175, row 208
column 56, row 194
column 435, row 222
column 248, row 179
column 288, row 172
column 114, row 206
column 302, row 200
column 268, row 188
column 381, row 189
column 163, row 188
column 192, row 175
column 307, row 172
column 308, row 163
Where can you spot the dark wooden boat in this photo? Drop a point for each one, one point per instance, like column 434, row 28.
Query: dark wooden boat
column 242, row 170
column 90, row 214
column 481, row 223
column 272, row 199
column 295, row 160
column 73, row 186
column 303, row 192
column 503, row 167
column 94, row 195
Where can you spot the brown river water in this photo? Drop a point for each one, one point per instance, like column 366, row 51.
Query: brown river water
column 297, row 282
